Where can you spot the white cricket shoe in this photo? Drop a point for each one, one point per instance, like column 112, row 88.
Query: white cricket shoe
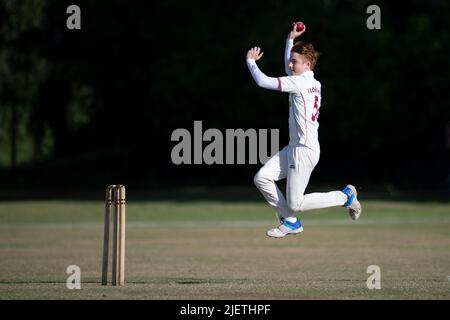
column 352, row 204
column 285, row 228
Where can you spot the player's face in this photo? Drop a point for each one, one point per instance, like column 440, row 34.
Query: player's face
column 298, row 64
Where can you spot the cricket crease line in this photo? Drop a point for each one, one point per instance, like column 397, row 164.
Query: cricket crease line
column 236, row 224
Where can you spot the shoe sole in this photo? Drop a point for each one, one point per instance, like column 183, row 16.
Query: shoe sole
column 351, row 211
column 294, row 232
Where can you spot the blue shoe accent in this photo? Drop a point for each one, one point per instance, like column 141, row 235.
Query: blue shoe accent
column 350, row 196
column 292, row 226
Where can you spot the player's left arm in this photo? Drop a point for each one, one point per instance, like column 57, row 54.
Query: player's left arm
column 253, row 55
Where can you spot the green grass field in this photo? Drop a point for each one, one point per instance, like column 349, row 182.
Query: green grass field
column 218, row 250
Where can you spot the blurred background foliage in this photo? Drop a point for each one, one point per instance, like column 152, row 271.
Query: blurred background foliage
column 98, row 105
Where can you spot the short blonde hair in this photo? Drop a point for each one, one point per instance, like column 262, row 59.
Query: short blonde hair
column 307, row 50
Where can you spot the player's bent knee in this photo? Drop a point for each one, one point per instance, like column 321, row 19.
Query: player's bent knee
column 259, row 179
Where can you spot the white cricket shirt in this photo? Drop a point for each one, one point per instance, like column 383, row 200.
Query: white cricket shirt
column 304, row 103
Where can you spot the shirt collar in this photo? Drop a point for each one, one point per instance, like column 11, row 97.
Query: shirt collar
column 308, row 73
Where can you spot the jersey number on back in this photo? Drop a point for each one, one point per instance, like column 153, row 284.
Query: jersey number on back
column 316, row 109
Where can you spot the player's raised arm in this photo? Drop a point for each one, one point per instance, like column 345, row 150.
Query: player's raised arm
column 298, row 28
column 253, row 55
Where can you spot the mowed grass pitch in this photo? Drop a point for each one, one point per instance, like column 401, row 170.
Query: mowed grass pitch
column 218, row 250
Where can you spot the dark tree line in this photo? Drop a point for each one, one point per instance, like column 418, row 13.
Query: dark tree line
column 99, row 104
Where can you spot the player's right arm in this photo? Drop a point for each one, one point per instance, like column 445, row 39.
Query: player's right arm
column 287, row 55
column 289, row 44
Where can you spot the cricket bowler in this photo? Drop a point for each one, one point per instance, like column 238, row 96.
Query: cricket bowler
column 297, row 160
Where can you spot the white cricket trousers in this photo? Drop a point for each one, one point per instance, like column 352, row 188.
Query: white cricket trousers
column 295, row 163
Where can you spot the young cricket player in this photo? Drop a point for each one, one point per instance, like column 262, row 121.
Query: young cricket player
column 297, row 160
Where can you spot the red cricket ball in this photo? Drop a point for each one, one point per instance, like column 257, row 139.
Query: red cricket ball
column 299, row 26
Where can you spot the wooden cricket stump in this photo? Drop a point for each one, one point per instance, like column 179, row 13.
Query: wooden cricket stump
column 115, row 194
